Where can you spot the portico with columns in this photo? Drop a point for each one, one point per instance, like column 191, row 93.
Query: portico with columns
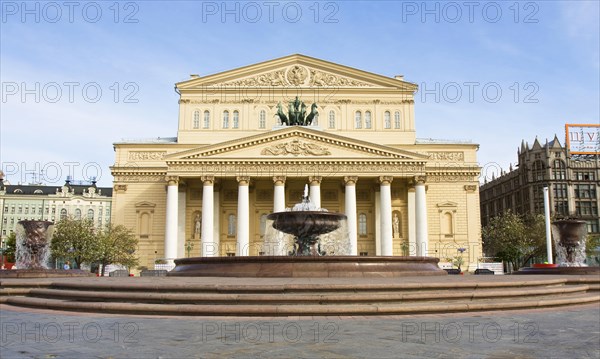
column 233, row 163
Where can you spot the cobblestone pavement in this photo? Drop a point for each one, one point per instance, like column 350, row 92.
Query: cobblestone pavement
column 541, row 333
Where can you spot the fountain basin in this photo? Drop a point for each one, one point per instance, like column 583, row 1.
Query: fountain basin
column 306, row 223
column 306, row 266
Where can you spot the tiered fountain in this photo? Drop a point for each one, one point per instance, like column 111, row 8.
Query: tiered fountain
column 569, row 237
column 305, row 241
column 32, row 253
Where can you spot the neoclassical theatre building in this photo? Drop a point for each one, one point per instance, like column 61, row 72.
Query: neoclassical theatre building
column 208, row 191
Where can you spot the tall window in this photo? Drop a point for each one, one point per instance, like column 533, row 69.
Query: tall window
column 358, row 119
column 448, row 223
column 196, row 119
column 387, row 122
column 559, row 171
column 77, row 213
column 236, row 119
column 262, row 119
column 225, row 119
column 231, row 225
column 331, row 119
column 206, row 119
column 90, row 215
column 538, row 170
column 397, row 120
column 362, row 224
column 560, row 190
column 368, row 119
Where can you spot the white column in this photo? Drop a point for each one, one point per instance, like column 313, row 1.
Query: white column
column 421, row 216
column 243, row 217
column 386, row 215
column 377, row 228
column 547, row 222
column 171, row 220
column 350, row 210
column 279, row 194
column 315, row 190
column 412, row 222
column 217, row 223
column 209, row 249
column 181, row 223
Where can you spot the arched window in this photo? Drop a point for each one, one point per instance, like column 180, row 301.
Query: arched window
column 362, row 224
column 90, row 214
column 358, row 119
column 63, row 213
column 196, row 119
column 206, row 119
column 368, row 119
column 77, row 213
column 331, row 119
column 559, row 171
column 263, row 224
column 262, row 119
column 236, row 119
column 397, row 120
column 231, row 225
column 225, row 119
column 387, row 122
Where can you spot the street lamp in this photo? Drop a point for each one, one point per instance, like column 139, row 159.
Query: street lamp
column 189, row 245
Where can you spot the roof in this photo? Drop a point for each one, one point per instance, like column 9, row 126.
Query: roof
column 47, row 190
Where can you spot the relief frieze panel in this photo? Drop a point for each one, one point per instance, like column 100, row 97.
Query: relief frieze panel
column 146, row 155
column 446, row 156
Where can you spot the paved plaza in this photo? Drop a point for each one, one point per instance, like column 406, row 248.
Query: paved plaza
column 541, row 333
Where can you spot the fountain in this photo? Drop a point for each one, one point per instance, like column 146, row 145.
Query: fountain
column 569, row 237
column 32, row 253
column 306, row 241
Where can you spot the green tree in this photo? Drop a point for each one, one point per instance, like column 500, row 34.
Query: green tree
column 116, row 245
column 75, row 239
column 515, row 239
column 11, row 247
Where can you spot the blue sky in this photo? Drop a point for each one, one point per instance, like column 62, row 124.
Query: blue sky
column 543, row 56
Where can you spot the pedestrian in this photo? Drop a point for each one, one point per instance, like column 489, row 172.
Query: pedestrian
column 67, row 265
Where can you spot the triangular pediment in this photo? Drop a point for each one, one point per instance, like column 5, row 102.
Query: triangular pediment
column 447, row 204
column 296, row 71
column 296, row 142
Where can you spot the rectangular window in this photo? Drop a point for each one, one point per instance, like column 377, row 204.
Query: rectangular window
column 5, row 209
column 592, row 226
column 561, row 208
column 586, row 208
column 585, row 191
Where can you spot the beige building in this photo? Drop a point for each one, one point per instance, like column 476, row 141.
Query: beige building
column 232, row 163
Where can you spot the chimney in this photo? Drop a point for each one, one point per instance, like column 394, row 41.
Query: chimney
column 399, row 77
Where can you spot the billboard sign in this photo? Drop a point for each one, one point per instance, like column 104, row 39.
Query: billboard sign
column 583, row 139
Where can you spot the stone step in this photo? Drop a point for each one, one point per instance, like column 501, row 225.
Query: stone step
column 166, row 285
column 301, row 309
column 318, row 298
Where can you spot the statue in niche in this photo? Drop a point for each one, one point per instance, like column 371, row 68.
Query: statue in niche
column 396, row 225
column 197, row 225
column 297, row 113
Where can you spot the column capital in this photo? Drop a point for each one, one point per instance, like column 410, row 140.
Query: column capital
column 350, row 180
column 172, row 180
column 243, row 180
column 470, row 187
column 419, row 180
column 385, row 180
column 208, row 180
column 279, row 180
column 315, row 180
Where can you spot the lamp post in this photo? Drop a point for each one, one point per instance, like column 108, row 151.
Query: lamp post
column 2, row 253
column 547, row 220
column 189, row 245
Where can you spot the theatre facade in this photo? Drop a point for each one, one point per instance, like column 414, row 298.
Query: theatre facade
column 208, row 191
